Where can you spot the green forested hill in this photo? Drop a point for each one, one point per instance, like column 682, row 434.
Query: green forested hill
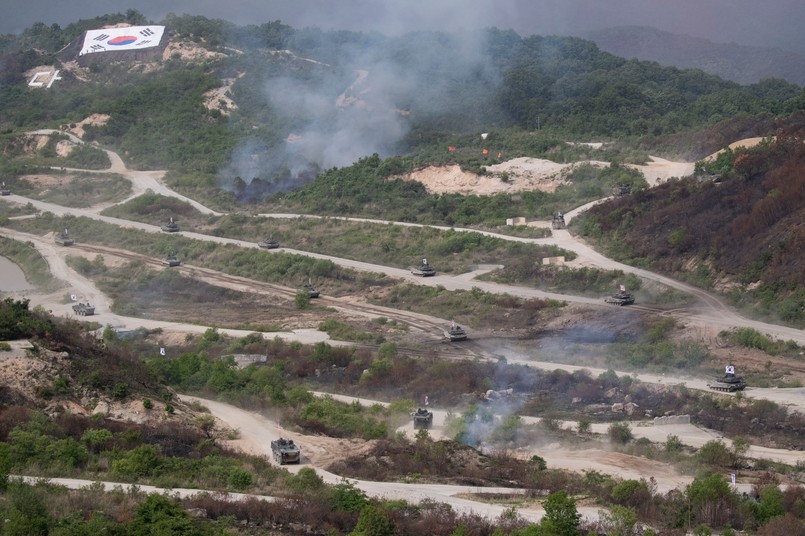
column 420, row 87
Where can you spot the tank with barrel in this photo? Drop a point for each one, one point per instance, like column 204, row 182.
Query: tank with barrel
column 729, row 382
column 424, row 269
column 4, row 190
column 455, row 333
column 621, row 298
column 171, row 259
column 285, row 451
column 63, row 239
column 310, row 289
column 558, row 221
column 83, row 309
column 268, row 243
column 422, row 418
column 171, row 226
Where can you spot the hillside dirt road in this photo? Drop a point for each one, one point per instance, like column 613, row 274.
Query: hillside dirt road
column 257, row 431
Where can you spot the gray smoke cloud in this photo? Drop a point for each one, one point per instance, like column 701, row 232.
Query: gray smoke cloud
column 748, row 22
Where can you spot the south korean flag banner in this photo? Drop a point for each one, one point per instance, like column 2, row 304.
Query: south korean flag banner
column 162, row 351
column 128, row 38
column 730, row 369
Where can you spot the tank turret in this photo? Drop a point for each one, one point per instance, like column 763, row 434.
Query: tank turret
column 621, row 298
column 729, row 382
column 311, row 291
column 558, row 221
column 171, row 260
column 455, row 333
column 422, row 418
column 171, row 226
column 268, row 243
column 424, row 269
column 4, row 190
column 63, row 238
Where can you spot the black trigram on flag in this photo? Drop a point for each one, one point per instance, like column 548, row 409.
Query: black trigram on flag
column 143, row 42
column 102, row 37
column 146, row 32
column 97, row 48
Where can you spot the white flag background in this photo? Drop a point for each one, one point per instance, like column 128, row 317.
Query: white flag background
column 129, row 38
column 73, row 297
column 161, row 351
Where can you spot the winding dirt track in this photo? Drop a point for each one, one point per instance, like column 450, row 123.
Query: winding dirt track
column 710, row 311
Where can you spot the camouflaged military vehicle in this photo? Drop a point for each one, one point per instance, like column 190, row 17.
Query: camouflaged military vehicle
column 171, row 260
column 83, row 309
column 268, row 243
column 311, row 291
column 558, row 221
column 455, row 333
column 621, row 298
column 285, row 451
column 63, row 239
column 4, row 190
column 729, row 382
column 422, row 418
column 424, row 269
column 171, row 226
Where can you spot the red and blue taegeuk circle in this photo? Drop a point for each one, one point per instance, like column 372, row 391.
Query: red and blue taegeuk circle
column 122, row 40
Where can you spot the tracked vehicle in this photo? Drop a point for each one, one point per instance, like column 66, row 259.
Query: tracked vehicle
column 285, row 451
column 4, row 190
column 558, row 221
column 424, row 269
column 729, row 382
column 171, row 226
column 268, row 243
column 311, row 291
column 171, row 260
column 83, row 309
column 621, row 298
column 422, row 418
column 63, row 239
column 455, row 333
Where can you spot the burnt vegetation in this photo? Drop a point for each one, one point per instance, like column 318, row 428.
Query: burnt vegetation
column 737, row 223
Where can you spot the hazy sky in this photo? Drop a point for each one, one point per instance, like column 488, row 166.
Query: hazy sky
column 751, row 22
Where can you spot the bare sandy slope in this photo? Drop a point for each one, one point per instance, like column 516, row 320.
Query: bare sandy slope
column 528, row 174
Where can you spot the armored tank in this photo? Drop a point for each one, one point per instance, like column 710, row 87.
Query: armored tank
column 424, row 269
column 558, row 221
column 4, row 190
column 268, row 243
column 171, row 260
column 727, row 383
column 83, row 309
column 422, row 418
column 621, row 298
column 171, row 226
column 455, row 333
column 622, row 189
column 285, row 451
column 63, row 239
column 311, row 291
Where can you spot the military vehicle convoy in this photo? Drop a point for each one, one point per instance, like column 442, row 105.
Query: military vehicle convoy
column 558, row 221
column 171, row 226
column 455, row 333
column 4, row 190
column 621, row 298
column 268, row 243
column 285, row 451
column 63, row 239
column 729, row 382
column 422, row 418
column 171, row 260
column 83, row 309
column 424, row 269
